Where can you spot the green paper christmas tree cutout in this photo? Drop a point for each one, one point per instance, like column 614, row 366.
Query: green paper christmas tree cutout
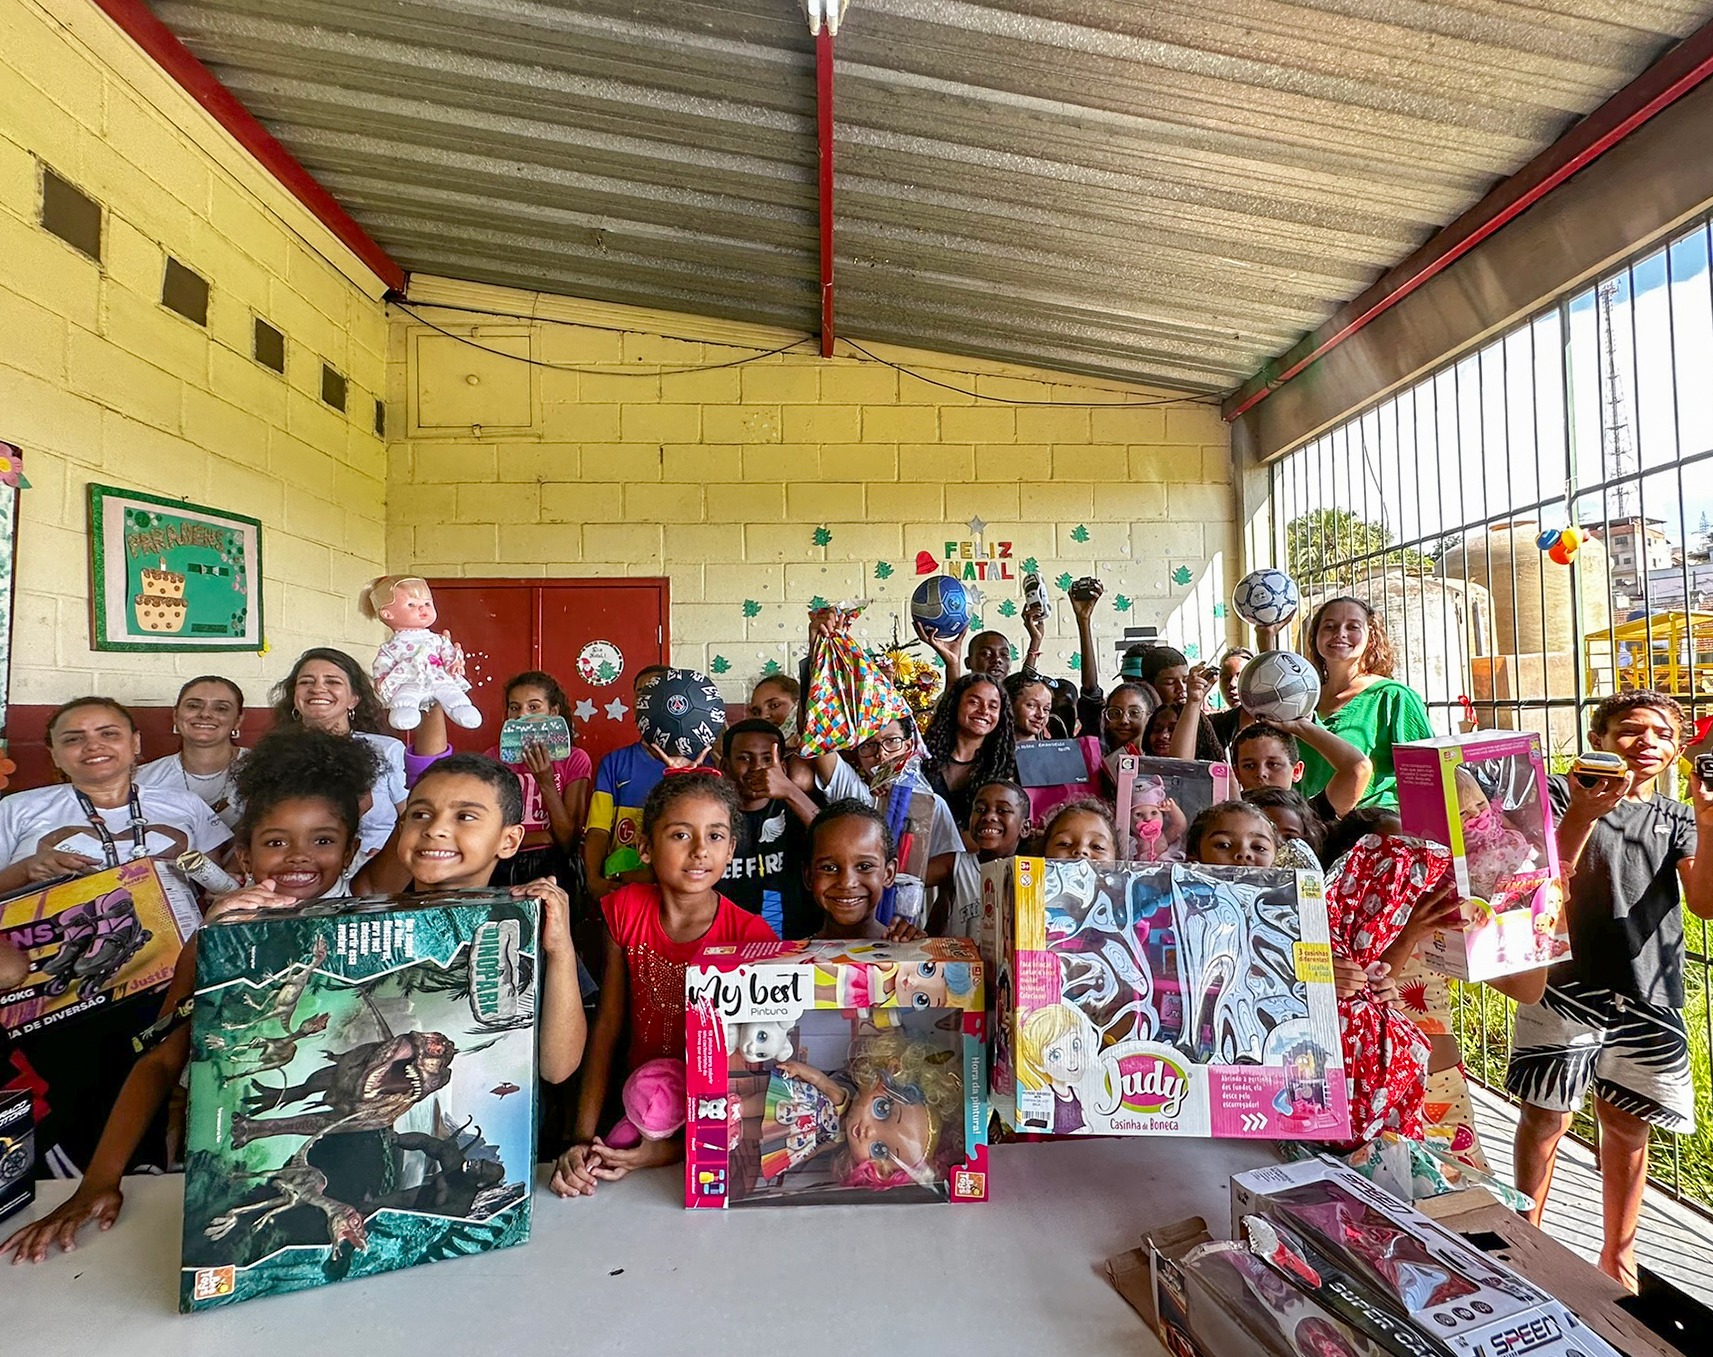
column 1122, row 603
column 721, row 665
column 1182, row 575
column 606, row 672
column 1219, row 612
column 1076, row 661
column 751, row 608
column 1064, row 582
column 976, row 622
column 1031, row 566
column 770, row 668
column 883, row 570
column 1079, row 533
column 1192, row 651
column 1015, row 655
column 823, row 537
column 818, row 604
column 1008, row 609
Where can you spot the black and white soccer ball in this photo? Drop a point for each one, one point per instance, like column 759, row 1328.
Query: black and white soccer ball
column 1278, row 685
column 1266, row 598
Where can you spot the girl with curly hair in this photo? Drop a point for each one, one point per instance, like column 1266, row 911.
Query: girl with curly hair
column 971, row 742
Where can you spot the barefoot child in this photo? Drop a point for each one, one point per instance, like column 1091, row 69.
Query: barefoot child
column 301, row 791
column 689, row 829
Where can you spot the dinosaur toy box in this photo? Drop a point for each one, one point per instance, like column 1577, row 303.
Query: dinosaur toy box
column 1484, row 796
column 94, row 940
column 362, row 1091
column 835, row 1072
column 1163, row 999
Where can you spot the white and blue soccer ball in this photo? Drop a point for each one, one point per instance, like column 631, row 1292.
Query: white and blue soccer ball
column 1278, row 685
column 942, row 605
column 1266, row 598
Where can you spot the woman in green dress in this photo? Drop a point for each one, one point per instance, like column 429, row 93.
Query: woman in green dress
column 1360, row 701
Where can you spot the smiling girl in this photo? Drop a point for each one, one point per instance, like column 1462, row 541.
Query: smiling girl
column 205, row 719
column 970, row 741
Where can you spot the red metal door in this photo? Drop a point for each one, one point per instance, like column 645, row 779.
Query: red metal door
column 591, row 635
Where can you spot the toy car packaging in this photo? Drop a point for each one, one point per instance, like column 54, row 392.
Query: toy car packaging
column 362, row 1091
column 1163, row 999
column 1159, row 799
column 1484, row 797
column 94, row 940
column 1378, row 1263
column 836, row 1072
column 17, row 1152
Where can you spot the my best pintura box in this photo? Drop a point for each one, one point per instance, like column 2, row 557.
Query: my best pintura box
column 836, row 1072
column 1164, row 999
column 362, row 1091
column 1484, row 797
column 94, row 940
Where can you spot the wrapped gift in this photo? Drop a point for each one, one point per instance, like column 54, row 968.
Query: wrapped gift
column 362, row 1091
column 835, row 1072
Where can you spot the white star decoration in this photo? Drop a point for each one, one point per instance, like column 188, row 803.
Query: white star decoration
column 977, row 599
column 976, row 526
column 616, row 709
column 585, row 710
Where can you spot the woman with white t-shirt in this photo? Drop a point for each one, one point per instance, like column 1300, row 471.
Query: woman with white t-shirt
column 205, row 718
column 100, row 816
column 328, row 690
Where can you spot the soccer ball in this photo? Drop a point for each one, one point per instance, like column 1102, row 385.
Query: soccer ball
column 942, row 605
column 682, row 712
column 1278, row 685
column 1266, row 598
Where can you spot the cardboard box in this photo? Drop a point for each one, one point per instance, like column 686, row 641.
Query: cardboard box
column 362, row 1091
column 1504, row 852
column 1168, row 999
column 1461, row 1298
column 848, row 1026
column 1053, row 772
column 1159, row 799
column 94, row 940
column 17, row 1152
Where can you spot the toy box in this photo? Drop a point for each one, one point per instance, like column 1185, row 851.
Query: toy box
column 836, row 1072
column 1390, row 1257
column 17, row 1152
column 362, row 1091
column 1053, row 772
column 94, row 940
column 1158, row 800
column 1484, row 797
column 1163, row 999
column 909, row 812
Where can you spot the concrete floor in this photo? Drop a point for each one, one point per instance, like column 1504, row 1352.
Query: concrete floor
column 1675, row 1240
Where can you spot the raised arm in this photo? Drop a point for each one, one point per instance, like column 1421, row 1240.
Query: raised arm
column 1084, row 595
column 1185, row 733
column 1351, row 768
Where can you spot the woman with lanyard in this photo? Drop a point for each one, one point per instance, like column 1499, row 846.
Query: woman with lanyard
column 98, row 818
column 1360, row 701
column 205, row 719
column 328, row 690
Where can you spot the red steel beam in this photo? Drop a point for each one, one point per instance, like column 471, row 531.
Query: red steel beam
column 824, row 139
column 146, row 30
column 1665, row 82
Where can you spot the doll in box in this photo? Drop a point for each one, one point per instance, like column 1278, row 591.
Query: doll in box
column 885, row 1115
column 1157, row 822
column 416, row 668
column 1494, row 850
column 885, row 982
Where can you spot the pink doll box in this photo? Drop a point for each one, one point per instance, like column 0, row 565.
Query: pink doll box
column 1505, row 856
column 836, row 1072
column 1158, row 799
column 1163, row 999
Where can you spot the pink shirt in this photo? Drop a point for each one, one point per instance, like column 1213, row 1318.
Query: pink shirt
column 573, row 768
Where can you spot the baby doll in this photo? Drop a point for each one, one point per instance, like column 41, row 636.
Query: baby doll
column 886, row 1115
column 416, row 668
column 1494, row 851
column 886, row 982
column 1157, row 822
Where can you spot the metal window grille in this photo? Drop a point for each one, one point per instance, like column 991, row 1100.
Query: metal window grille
column 1595, row 411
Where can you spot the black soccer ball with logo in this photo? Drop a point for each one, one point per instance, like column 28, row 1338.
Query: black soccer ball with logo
column 682, row 712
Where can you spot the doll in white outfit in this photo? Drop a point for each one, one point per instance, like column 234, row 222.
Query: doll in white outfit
column 416, row 668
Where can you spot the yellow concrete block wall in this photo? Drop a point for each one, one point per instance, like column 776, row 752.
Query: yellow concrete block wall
column 100, row 382
column 760, row 487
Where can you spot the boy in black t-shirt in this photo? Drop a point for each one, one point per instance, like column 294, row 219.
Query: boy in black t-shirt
column 1612, row 1015
column 766, row 873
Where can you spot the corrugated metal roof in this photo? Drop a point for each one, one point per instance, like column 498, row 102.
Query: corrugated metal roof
column 1170, row 191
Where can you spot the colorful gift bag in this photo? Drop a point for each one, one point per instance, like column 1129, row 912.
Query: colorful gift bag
column 850, row 698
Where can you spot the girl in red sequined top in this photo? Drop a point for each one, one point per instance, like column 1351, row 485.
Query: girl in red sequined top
column 690, row 824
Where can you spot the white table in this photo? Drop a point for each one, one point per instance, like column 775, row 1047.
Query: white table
column 630, row 1271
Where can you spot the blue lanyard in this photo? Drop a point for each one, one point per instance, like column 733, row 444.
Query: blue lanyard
column 139, row 831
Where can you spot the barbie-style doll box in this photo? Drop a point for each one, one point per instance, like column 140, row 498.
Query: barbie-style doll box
column 1162, row 999
column 362, row 1091
column 1484, row 797
column 836, row 1072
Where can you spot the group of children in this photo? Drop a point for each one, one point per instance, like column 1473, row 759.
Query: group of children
column 753, row 842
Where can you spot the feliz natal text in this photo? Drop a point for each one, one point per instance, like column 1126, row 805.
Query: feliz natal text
column 159, row 541
column 979, row 561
